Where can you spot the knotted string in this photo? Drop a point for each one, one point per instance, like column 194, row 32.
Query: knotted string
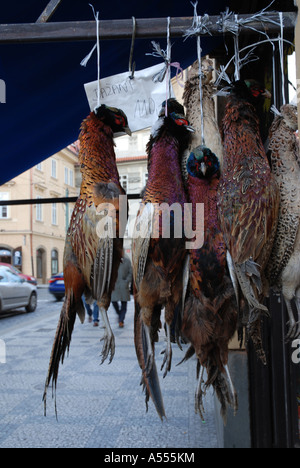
column 281, row 52
column 199, row 53
column 200, row 25
column 169, row 47
column 237, row 73
column 166, row 70
column 96, row 46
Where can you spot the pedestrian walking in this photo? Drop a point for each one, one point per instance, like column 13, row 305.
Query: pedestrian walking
column 121, row 294
column 93, row 313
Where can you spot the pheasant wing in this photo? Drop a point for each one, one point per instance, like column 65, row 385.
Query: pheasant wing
column 247, row 218
column 141, row 240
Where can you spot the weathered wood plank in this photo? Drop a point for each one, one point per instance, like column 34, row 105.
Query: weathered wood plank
column 122, row 29
column 49, row 11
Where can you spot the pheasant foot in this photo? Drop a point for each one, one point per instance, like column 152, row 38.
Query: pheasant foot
column 200, row 393
column 167, row 353
column 108, row 338
column 294, row 327
column 149, row 361
column 232, row 392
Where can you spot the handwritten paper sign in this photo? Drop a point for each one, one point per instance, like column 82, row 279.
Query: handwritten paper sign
column 140, row 98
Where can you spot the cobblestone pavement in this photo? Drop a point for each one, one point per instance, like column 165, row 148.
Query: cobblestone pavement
column 98, row 406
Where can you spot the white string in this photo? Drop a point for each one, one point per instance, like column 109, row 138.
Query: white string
column 237, row 73
column 281, row 51
column 85, row 61
column 199, row 53
column 200, row 24
column 169, row 62
column 223, row 75
column 165, row 73
column 275, row 111
column 274, row 76
column 98, row 56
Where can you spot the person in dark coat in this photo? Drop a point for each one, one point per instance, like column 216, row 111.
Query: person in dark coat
column 121, row 293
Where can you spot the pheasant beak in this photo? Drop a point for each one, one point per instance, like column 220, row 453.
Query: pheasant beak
column 203, row 168
column 266, row 94
column 190, row 129
column 128, row 131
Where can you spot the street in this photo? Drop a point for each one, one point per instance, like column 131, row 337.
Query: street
column 98, row 406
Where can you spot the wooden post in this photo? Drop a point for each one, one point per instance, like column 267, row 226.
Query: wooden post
column 49, row 11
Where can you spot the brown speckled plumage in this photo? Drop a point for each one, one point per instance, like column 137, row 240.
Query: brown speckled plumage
column 158, row 261
column 248, row 202
column 91, row 260
column 191, row 100
column 283, row 269
column 210, row 312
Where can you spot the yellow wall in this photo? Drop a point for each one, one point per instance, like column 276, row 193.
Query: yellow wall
column 19, row 231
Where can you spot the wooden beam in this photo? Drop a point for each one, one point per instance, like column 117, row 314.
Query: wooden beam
column 122, row 29
column 49, row 11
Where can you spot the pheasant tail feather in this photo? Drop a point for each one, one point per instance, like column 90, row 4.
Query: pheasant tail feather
column 61, row 344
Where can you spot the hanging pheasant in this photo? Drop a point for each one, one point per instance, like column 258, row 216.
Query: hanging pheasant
column 192, row 105
column 283, row 270
column 210, row 312
column 248, row 201
column 91, row 257
column 158, row 255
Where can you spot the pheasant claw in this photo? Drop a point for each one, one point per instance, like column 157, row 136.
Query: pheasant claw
column 294, row 331
column 108, row 338
column 149, row 361
column 294, row 327
column 200, row 393
column 167, row 361
column 108, row 347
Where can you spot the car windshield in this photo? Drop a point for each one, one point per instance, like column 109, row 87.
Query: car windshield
column 8, row 276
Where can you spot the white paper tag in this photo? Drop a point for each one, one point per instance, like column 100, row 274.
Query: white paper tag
column 140, row 98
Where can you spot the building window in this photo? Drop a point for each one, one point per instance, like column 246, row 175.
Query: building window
column 69, row 177
column 145, row 178
column 54, row 214
column 54, row 262
column 4, row 196
column 54, row 168
column 124, row 182
column 39, row 210
column 39, row 166
column 41, row 264
column 5, row 255
column 66, row 176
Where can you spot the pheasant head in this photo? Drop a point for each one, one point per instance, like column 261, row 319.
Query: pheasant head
column 114, row 118
column 203, row 163
column 290, row 116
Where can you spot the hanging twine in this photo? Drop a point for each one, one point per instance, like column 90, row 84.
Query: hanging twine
column 169, row 47
column 237, row 73
column 275, row 111
column 281, row 52
column 230, row 22
column 85, row 61
column 166, row 70
column 199, row 26
column 199, row 53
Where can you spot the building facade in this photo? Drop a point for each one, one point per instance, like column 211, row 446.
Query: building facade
column 133, row 173
column 32, row 237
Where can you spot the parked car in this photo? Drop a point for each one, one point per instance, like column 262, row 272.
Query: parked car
column 15, row 292
column 29, row 279
column 57, row 286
